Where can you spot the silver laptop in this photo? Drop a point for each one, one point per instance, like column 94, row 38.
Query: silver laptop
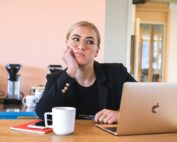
column 146, row 108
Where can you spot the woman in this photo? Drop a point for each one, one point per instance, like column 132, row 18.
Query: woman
column 91, row 87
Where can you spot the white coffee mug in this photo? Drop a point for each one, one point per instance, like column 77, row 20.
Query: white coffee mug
column 29, row 101
column 38, row 93
column 63, row 120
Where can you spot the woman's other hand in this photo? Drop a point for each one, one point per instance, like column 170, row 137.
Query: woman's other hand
column 107, row 116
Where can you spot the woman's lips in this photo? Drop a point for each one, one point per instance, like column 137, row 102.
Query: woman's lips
column 79, row 54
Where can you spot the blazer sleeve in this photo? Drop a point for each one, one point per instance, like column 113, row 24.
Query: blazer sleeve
column 58, row 92
column 127, row 76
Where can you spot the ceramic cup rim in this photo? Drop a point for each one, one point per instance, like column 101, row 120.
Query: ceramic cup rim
column 64, row 108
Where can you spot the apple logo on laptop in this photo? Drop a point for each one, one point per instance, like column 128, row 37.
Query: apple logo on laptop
column 155, row 108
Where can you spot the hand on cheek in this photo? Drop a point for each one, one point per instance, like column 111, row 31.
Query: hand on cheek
column 70, row 61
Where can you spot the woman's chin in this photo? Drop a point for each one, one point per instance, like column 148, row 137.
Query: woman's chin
column 81, row 62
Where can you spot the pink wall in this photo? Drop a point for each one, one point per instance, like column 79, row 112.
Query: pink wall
column 32, row 33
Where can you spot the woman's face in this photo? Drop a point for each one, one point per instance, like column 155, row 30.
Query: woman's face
column 83, row 42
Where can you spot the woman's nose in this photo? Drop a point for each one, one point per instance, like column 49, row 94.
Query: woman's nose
column 81, row 46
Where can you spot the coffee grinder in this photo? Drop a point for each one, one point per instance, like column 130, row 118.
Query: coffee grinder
column 13, row 88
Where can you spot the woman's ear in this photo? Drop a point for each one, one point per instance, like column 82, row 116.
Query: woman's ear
column 97, row 52
column 66, row 43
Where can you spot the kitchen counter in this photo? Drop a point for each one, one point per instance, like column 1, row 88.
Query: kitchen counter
column 13, row 110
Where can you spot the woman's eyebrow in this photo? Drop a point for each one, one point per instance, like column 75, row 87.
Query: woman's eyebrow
column 90, row 37
column 76, row 35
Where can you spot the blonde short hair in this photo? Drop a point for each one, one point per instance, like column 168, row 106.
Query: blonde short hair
column 85, row 24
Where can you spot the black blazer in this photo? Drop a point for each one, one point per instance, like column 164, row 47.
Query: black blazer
column 60, row 88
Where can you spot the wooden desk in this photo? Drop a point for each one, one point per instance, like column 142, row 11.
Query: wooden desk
column 85, row 132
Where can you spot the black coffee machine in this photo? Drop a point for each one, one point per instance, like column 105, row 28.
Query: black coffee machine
column 54, row 68
column 13, row 88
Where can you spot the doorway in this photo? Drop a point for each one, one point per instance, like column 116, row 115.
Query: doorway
column 151, row 47
column 150, row 42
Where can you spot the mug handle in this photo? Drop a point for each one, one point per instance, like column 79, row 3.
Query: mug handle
column 45, row 119
column 23, row 100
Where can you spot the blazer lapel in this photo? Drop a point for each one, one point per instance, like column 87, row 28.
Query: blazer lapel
column 101, row 87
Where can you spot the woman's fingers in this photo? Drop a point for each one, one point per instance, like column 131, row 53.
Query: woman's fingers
column 70, row 61
column 99, row 114
column 107, row 116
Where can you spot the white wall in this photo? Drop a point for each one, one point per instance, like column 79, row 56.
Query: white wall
column 32, row 33
column 116, row 24
column 172, row 47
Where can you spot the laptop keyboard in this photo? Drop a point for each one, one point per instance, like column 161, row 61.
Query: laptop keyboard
column 112, row 129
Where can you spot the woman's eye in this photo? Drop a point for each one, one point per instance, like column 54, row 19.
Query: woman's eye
column 75, row 39
column 90, row 42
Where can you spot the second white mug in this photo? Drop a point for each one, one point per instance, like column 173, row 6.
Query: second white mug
column 29, row 101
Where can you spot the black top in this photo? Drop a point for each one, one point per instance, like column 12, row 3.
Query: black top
column 60, row 89
column 86, row 100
